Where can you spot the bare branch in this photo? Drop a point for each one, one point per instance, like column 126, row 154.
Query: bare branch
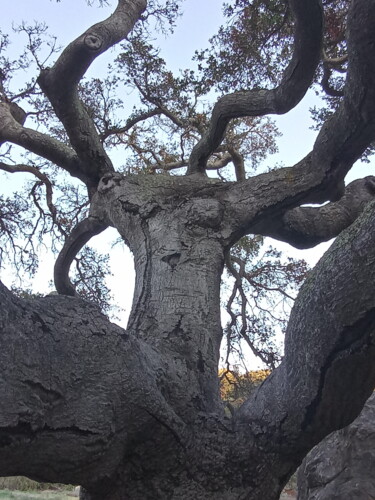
column 336, row 62
column 42, row 177
column 79, row 236
column 11, row 130
column 305, row 227
column 295, row 82
column 60, row 84
column 130, row 123
column 239, row 164
column 220, row 162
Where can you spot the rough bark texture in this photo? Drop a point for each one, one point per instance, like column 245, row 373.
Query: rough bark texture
column 342, row 465
column 136, row 414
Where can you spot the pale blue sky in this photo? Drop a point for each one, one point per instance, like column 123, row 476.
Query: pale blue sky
column 69, row 18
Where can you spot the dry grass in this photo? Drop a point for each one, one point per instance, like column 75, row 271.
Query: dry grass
column 22, row 488
column 40, row 495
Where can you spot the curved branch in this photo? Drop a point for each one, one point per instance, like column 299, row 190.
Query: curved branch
column 336, row 62
column 306, row 227
column 80, row 235
column 78, row 387
column 42, row 177
column 11, row 130
column 130, row 123
column 329, row 352
column 219, row 162
column 294, row 84
column 343, row 138
column 60, row 84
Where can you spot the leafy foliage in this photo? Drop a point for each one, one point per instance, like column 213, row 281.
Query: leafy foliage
column 235, row 387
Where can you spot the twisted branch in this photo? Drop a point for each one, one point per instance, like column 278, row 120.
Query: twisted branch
column 60, row 84
column 294, row 84
column 79, row 236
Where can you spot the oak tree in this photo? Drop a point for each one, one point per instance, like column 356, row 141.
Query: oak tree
column 137, row 413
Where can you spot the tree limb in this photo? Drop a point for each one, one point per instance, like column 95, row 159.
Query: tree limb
column 329, row 351
column 294, row 84
column 11, row 130
column 306, row 227
column 60, row 84
column 80, row 235
column 130, row 123
column 78, row 372
column 239, row 164
column 342, row 140
column 42, row 177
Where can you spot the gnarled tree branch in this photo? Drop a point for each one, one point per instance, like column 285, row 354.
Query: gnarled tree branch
column 306, row 227
column 11, row 130
column 342, row 140
column 80, row 235
column 60, row 84
column 295, row 82
column 78, row 370
column 329, row 352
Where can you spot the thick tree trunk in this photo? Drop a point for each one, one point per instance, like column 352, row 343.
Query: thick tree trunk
column 178, row 241
column 137, row 414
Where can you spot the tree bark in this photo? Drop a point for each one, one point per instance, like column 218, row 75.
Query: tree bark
column 137, row 414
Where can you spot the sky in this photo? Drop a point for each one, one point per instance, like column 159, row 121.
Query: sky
column 69, row 18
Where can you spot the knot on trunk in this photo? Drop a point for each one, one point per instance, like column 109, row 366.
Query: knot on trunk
column 93, row 42
column 172, row 259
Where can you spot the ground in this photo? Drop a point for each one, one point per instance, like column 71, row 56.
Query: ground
column 288, row 494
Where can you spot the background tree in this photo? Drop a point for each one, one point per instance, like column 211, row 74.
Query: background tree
column 137, row 413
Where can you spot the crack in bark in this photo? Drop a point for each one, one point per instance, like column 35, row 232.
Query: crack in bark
column 48, row 395
column 27, row 431
column 352, row 344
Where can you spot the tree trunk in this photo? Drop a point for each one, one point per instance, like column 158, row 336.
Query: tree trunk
column 178, row 246
column 137, row 414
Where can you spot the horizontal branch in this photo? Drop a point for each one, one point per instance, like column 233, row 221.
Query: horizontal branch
column 73, row 382
column 306, row 227
column 295, row 82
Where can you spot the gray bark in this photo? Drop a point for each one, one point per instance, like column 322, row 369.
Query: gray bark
column 137, row 414
column 342, row 465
